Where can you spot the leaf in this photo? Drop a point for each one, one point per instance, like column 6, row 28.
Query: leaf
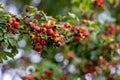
column 5, row 55
column 72, row 15
column 20, row 37
column 44, row 52
column 31, row 9
column 94, row 38
column 12, row 42
column 111, row 1
column 14, row 50
column 1, row 60
column 1, row 7
column 1, row 38
column 9, row 54
column 6, row 41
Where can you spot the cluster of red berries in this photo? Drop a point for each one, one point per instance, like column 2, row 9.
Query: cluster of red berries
column 110, row 29
column 81, row 33
column 13, row 23
column 98, row 3
column 53, row 32
column 47, row 29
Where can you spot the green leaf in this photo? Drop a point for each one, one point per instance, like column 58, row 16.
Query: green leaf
column 1, row 60
column 20, row 37
column 44, row 52
column 9, row 54
column 32, row 9
column 111, row 1
column 5, row 55
column 1, row 38
column 1, row 7
column 14, row 50
column 12, row 42
column 72, row 15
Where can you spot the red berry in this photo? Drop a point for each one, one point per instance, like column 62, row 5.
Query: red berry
column 16, row 25
column 32, row 26
column 99, row 4
column 84, row 21
column 13, row 20
column 110, row 78
column 38, row 35
column 54, row 28
column 38, row 39
column 44, row 30
column 48, row 72
column 27, row 77
column 43, row 42
column 49, row 31
column 77, row 38
column 73, row 28
column 66, row 24
column 58, row 44
column 65, row 78
column 37, row 48
column 38, row 29
column 83, row 32
column 55, row 35
column 45, row 25
column 95, row 1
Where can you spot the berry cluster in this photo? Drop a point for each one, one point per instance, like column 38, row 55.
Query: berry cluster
column 81, row 33
column 53, row 33
column 12, row 24
column 98, row 3
column 48, row 30
column 110, row 29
